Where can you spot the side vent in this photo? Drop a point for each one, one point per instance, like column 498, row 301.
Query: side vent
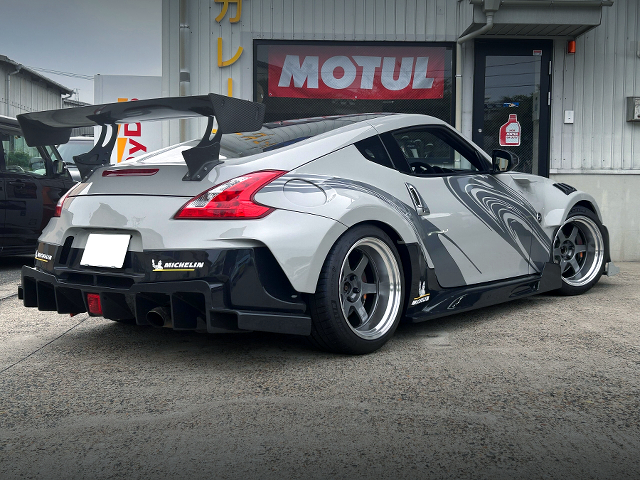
column 564, row 188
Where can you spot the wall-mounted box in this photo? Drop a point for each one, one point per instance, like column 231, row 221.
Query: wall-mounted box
column 633, row 109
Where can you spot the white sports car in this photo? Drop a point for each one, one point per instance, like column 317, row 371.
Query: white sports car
column 334, row 228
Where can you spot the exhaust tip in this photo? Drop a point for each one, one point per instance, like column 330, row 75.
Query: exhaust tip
column 159, row 317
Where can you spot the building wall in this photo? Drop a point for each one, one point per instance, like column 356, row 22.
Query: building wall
column 594, row 83
column 328, row 20
column 618, row 197
column 27, row 94
column 600, row 152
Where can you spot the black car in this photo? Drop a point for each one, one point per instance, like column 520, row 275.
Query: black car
column 32, row 180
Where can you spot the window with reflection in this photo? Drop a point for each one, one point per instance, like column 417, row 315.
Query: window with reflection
column 430, row 152
column 21, row 158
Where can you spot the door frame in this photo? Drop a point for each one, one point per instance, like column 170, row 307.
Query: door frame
column 482, row 48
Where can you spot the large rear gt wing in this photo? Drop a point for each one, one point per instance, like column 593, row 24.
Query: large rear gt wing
column 232, row 114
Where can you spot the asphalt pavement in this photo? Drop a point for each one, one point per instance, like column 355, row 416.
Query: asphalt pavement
column 544, row 387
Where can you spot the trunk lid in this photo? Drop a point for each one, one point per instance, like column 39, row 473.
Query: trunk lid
column 171, row 167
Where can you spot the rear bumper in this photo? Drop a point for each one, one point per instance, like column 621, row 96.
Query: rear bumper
column 209, row 290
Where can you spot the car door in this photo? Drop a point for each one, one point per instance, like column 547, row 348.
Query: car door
column 477, row 226
column 23, row 209
column 30, row 193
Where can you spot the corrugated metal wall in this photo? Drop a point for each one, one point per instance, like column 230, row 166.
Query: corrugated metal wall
column 375, row 20
column 594, row 83
column 328, row 20
column 26, row 95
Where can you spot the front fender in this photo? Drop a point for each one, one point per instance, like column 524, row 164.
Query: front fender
column 556, row 216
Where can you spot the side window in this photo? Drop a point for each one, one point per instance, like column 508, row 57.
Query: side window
column 430, row 151
column 20, row 158
column 373, row 149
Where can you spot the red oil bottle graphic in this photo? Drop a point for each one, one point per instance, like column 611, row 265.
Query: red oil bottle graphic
column 510, row 132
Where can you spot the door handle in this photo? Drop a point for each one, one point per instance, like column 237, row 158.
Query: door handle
column 421, row 208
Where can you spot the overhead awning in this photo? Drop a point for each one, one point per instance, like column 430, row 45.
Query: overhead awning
column 535, row 18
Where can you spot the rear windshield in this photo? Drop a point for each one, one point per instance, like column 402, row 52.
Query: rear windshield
column 270, row 137
column 281, row 134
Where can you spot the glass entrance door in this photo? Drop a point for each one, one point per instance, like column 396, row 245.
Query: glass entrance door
column 511, row 100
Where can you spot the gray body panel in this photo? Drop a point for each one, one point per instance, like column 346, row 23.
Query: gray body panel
column 480, row 227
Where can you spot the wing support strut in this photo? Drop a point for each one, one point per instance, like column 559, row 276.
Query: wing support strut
column 204, row 156
column 99, row 155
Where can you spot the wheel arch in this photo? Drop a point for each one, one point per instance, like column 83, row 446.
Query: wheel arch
column 408, row 269
column 557, row 213
column 585, row 204
column 401, row 247
column 586, row 201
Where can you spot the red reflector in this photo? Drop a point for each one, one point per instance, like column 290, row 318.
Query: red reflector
column 130, row 172
column 93, row 300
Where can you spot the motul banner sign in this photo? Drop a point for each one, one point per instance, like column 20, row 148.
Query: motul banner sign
column 356, row 72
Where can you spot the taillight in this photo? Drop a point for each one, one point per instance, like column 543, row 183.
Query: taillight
column 61, row 201
column 231, row 199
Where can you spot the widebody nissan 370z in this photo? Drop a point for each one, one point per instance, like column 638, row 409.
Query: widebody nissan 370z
column 334, row 228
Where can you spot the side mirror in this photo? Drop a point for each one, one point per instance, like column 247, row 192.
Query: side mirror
column 58, row 167
column 504, row 161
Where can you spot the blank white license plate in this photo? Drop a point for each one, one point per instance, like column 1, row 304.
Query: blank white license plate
column 105, row 250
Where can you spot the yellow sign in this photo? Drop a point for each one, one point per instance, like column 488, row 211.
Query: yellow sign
column 235, row 19
column 225, row 7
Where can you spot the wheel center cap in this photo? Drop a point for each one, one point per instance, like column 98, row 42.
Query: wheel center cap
column 567, row 250
column 351, row 287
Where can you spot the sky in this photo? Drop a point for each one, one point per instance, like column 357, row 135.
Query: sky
column 86, row 37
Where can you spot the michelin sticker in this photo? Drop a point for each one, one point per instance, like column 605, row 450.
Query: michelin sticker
column 423, row 296
column 175, row 266
column 43, row 257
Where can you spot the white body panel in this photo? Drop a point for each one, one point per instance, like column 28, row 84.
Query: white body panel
column 329, row 188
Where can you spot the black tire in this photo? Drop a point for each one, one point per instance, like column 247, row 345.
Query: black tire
column 362, row 276
column 579, row 247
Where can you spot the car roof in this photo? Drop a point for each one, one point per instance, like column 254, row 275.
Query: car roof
column 9, row 125
column 384, row 124
column 276, row 135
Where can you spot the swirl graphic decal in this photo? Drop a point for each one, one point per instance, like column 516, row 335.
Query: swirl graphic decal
column 503, row 210
column 448, row 271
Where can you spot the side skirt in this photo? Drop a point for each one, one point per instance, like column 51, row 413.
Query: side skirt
column 442, row 302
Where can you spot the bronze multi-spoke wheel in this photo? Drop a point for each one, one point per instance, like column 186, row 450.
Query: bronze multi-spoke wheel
column 359, row 299
column 579, row 249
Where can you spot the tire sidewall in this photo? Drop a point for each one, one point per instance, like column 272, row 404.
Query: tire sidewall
column 567, row 289
column 346, row 339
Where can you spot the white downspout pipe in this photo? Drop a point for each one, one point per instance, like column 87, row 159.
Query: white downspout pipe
column 9, row 87
column 480, row 31
column 183, row 59
column 488, row 26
